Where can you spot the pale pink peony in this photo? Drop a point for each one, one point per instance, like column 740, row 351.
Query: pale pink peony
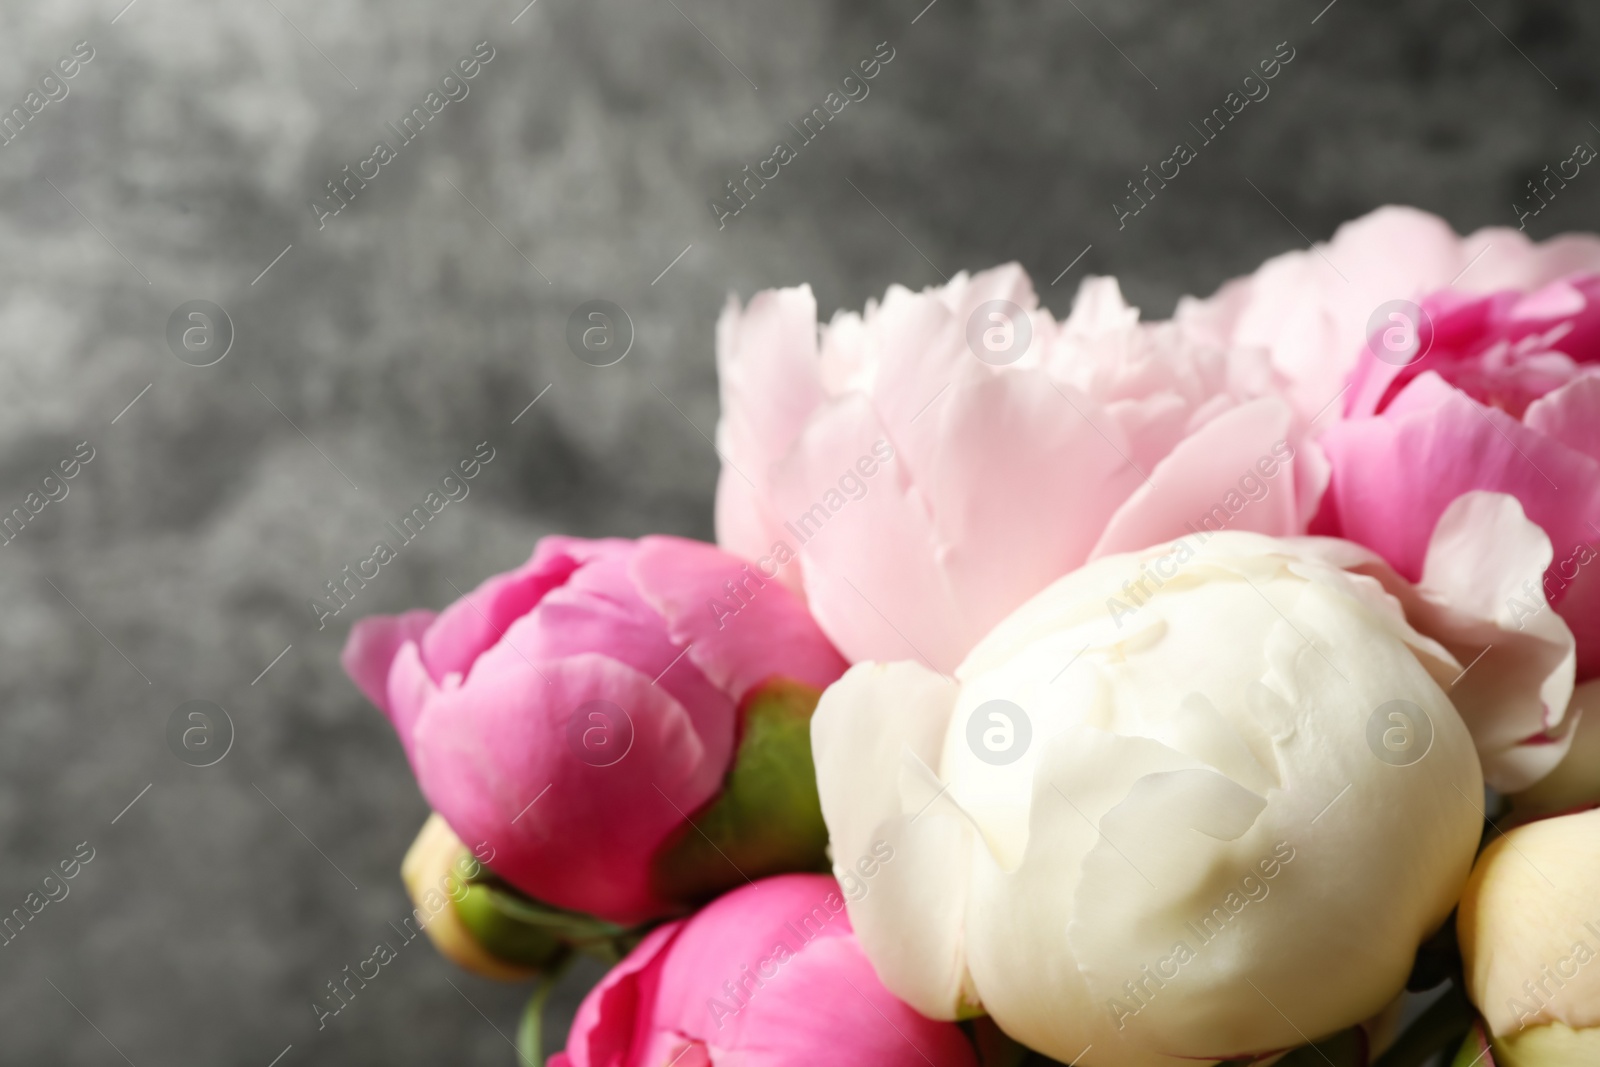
column 927, row 492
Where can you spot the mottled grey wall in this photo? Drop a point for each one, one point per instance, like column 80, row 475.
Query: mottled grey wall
column 381, row 348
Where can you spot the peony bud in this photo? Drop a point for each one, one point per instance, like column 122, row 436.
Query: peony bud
column 574, row 714
column 1190, row 804
column 437, row 870
column 1529, row 927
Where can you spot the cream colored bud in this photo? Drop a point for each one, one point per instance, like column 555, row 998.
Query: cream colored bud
column 435, row 871
column 1529, row 927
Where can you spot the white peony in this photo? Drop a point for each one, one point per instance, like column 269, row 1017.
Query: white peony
column 1185, row 804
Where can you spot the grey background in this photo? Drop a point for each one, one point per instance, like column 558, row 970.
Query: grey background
column 408, row 330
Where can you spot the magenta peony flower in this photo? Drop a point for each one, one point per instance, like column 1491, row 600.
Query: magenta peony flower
column 1505, row 396
column 1439, row 367
column 768, row 976
column 1312, row 311
column 921, row 470
column 570, row 715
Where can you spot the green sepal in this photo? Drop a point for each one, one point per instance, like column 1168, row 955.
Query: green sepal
column 521, row 930
column 767, row 819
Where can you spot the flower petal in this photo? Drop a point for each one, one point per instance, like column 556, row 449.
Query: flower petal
column 759, row 633
column 473, row 624
column 1394, row 476
column 1209, row 481
column 497, row 757
column 605, row 1030
column 372, row 645
column 877, row 717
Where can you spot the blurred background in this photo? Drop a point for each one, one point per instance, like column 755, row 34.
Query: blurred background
column 364, row 353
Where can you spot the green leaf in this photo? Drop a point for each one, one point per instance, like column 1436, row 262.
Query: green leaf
column 1440, row 1027
column 767, row 819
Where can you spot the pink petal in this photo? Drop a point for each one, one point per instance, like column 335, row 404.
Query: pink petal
column 1027, row 474
column 737, row 641
column 920, row 344
column 767, row 367
column 863, row 556
column 1311, row 308
column 1482, row 581
column 613, row 1017
column 1574, row 582
column 1395, row 475
column 1208, row 482
column 410, row 687
column 1571, row 415
column 598, row 609
column 768, row 370
column 828, row 1000
column 740, row 928
column 823, row 1004
column 496, row 758
column 371, row 648
column 474, row 623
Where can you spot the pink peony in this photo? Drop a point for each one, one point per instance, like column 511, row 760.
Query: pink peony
column 1504, row 395
column 1488, row 381
column 922, row 469
column 1311, row 311
column 572, row 713
column 768, row 976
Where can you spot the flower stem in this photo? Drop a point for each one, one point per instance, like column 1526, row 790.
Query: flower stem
column 530, row 1031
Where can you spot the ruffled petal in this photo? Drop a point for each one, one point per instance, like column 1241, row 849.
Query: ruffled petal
column 1511, row 671
column 1215, row 479
column 1395, row 475
column 1571, row 415
column 769, row 376
column 740, row 639
column 607, row 1027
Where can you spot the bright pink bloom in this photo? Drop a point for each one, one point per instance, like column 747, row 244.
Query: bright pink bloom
column 1494, row 388
column 1506, row 397
column 571, row 713
column 768, row 976
column 1311, row 311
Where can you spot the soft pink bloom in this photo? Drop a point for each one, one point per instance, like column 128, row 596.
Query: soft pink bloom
column 927, row 492
column 1498, row 391
column 768, row 976
column 484, row 697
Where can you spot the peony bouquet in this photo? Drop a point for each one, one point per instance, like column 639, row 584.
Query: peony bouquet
column 1086, row 691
